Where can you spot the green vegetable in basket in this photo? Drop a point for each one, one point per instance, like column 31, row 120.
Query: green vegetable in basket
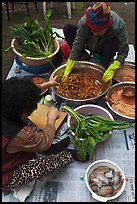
column 33, row 39
column 92, row 129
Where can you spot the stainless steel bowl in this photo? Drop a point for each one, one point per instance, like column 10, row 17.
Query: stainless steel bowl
column 95, row 69
column 128, row 100
column 125, row 73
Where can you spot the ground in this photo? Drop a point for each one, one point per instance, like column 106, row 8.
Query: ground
column 58, row 19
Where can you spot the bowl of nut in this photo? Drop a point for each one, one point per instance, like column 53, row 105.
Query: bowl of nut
column 105, row 180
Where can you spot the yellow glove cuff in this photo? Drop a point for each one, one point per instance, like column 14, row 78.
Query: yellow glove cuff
column 114, row 66
column 117, row 63
column 70, row 63
column 68, row 69
column 109, row 73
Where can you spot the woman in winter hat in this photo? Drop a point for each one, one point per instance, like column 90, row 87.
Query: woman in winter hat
column 103, row 33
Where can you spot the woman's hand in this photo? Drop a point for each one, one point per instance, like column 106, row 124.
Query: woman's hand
column 48, row 84
column 109, row 73
column 53, row 81
column 53, row 115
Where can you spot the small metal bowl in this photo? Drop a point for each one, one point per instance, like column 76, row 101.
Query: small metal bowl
column 125, row 73
column 129, row 92
column 38, row 79
column 127, row 97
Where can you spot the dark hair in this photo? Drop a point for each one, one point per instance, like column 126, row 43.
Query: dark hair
column 19, row 95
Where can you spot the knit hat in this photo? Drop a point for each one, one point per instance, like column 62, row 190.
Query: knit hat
column 98, row 16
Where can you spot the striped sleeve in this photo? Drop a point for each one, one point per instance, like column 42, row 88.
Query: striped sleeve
column 29, row 139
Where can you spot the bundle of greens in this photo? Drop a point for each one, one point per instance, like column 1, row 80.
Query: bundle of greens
column 34, row 40
column 92, row 129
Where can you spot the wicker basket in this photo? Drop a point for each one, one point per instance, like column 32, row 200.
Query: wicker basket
column 32, row 62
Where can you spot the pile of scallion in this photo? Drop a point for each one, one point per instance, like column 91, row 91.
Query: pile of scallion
column 92, row 129
column 34, row 40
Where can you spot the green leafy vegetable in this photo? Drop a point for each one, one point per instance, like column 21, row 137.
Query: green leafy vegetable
column 33, row 39
column 92, row 129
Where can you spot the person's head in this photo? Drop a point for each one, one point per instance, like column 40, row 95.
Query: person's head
column 98, row 17
column 19, row 97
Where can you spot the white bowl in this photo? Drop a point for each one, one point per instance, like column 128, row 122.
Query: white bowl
column 110, row 164
column 31, row 61
column 89, row 109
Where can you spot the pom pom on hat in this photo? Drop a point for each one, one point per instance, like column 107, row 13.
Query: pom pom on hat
column 98, row 16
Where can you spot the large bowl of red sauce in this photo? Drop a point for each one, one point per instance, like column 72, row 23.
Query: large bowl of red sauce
column 84, row 84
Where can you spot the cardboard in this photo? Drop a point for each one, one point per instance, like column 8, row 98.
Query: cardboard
column 39, row 117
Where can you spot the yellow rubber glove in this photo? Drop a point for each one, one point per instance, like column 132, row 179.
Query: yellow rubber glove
column 109, row 73
column 69, row 67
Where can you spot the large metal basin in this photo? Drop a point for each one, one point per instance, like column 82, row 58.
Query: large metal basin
column 95, row 69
